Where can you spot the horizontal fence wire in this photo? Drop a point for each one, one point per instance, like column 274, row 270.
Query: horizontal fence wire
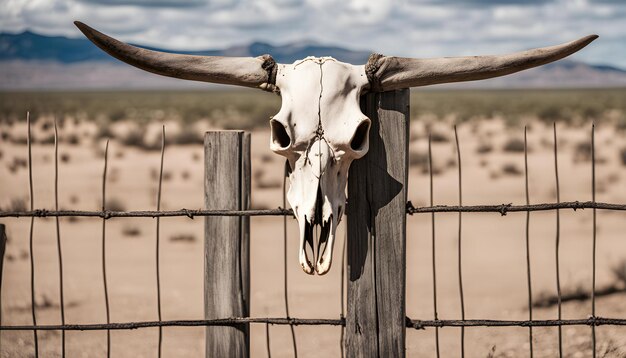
column 410, row 323
column 502, row 209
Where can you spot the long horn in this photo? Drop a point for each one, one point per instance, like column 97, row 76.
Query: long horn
column 389, row 73
column 258, row 72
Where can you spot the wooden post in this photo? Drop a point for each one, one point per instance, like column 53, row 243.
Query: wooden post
column 227, row 241
column 3, row 243
column 377, row 193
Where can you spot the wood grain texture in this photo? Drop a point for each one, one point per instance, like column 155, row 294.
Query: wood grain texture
column 226, row 241
column 375, row 322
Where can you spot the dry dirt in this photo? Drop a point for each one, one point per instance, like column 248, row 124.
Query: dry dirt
column 494, row 268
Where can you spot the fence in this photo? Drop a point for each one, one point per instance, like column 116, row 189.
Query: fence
column 375, row 322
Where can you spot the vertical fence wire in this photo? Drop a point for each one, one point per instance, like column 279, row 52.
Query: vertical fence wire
column 530, row 294
column 558, row 243
column 286, row 288
column 459, row 243
column 58, row 232
column 267, row 340
column 430, row 166
column 158, row 242
column 32, row 225
column 104, row 266
column 593, row 264
column 341, row 290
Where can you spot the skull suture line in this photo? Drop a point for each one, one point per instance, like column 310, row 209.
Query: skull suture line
column 320, row 128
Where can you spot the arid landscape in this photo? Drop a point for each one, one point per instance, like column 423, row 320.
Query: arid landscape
column 490, row 130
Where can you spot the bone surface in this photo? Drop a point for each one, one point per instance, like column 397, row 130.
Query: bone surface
column 320, row 128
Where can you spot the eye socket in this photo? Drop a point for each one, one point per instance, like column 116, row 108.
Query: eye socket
column 279, row 134
column 360, row 135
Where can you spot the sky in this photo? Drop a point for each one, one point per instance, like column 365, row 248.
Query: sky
column 416, row 28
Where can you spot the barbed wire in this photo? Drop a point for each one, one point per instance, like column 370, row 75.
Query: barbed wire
column 410, row 323
column 502, row 209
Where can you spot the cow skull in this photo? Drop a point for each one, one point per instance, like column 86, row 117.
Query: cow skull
column 320, row 128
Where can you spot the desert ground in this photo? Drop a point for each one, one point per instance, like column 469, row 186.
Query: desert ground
column 493, row 246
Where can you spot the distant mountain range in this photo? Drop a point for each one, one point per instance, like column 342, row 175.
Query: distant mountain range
column 33, row 61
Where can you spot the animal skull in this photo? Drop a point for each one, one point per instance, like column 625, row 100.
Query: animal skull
column 320, row 128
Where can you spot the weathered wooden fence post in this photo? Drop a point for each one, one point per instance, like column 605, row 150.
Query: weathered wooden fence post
column 227, row 241
column 377, row 193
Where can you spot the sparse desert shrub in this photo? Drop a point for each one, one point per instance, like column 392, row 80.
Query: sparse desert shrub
column 17, row 204
column 511, row 169
column 438, row 137
column 104, row 132
column 74, row 199
column 418, row 159
column 19, row 140
column 185, row 175
column 117, row 114
column 267, row 158
column 45, row 126
column 189, row 136
column 65, row 157
column 47, row 140
column 73, row 139
column 262, row 183
column 16, row 164
column 619, row 271
column 134, row 138
column 582, row 152
column 195, row 156
column 131, row 231
column 114, row 204
column 183, row 238
column 484, row 148
column 622, row 156
column 258, row 206
column 514, row 145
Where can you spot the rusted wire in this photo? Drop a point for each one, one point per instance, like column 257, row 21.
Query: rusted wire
column 104, row 265
column 32, row 226
column 58, row 232
column 410, row 323
column 108, row 214
column 459, row 243
column 434, row 259
column 285, row 241
column 593, row 264
column 528, row 277
column 342, row 291
column 591, row 321
column 558, row 242
column 502, row 209
column 158, row 241
column 237, row 321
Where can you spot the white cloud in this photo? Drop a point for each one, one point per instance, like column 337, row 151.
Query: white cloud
column 420, row 28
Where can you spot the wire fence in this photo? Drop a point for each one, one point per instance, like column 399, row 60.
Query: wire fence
column 436, row 323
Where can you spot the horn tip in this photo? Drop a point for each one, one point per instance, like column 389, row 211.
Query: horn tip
column 82, row 27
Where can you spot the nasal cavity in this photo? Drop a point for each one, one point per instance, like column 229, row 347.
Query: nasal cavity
column 360, row 135
column 279, row 134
